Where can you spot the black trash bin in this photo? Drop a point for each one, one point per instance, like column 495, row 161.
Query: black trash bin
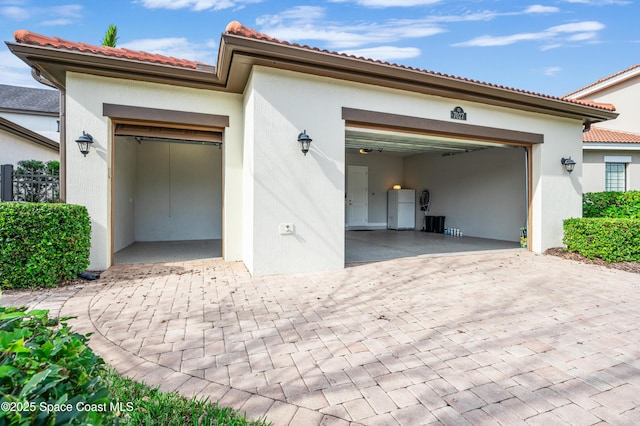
column 429, row 223
column 438, row 224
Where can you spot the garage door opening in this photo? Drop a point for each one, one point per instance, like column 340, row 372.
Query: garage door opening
column 167, row 194
column 477, row 186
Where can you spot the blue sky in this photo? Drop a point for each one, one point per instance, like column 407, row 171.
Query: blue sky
column 550, row 47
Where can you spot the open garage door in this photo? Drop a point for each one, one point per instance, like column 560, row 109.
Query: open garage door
column 478, row 185
column 167, row 193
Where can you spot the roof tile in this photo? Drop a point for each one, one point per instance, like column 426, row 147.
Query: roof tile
column 600, row 135
column 236, row 28
column 28, row 37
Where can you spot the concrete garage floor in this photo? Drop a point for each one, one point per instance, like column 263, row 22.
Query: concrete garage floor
column 361, row 246
column 168, row 251
column 384, row 244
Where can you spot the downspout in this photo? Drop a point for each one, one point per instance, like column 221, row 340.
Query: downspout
column 63, row 131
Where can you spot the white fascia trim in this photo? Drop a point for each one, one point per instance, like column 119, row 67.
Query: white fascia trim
column 611, row 147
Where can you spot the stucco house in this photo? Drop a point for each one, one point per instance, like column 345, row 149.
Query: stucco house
column 28, row 124
column 612, row 150
column 185, row 151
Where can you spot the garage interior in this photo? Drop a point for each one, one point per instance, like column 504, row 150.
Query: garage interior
column 167, row 194
column 478, row 186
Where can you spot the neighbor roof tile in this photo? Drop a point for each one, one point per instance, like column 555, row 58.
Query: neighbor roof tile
column 599, row 135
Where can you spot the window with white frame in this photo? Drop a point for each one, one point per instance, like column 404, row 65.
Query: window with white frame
column 615, row 177
column 616, row 172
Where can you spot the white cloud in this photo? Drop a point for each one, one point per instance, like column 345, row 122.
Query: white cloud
column 304, row 23
column 551, row 71
column 486, row 41
column 577, row 27
column 601, row 2
column 299, row 15
column 14, row 72
column 15, row 13
column 579, row 31
column 57, row 22
column 537, row 8
column 385, row 53
column 195, row 5
column 389, row 3
column 177, row 47
column 55, row 15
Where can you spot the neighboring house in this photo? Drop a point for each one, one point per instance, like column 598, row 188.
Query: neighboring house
column 612, row 150
column 29, row 123
column 490, row 155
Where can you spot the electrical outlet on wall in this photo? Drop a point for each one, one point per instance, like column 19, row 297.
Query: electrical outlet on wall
column 286, row 228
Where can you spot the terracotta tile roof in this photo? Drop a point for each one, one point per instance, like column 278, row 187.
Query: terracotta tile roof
column 236, row 28
column 602, row 80
column 599, row 135
column 28, row 37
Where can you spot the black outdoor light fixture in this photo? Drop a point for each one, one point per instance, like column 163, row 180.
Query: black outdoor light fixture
column 568, row 164
column 305, row 141
column 84, row 141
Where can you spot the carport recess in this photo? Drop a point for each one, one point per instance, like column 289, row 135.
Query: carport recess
column 407, row 136
column 182, row 138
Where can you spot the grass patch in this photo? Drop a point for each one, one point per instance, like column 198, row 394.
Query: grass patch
column 143, row 405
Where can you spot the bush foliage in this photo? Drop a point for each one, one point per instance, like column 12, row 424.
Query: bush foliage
column 48, row 375
column 611, row 204
column 42, row 244
column 614, row 240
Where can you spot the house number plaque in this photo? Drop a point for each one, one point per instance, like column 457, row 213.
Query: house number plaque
column 458, row 114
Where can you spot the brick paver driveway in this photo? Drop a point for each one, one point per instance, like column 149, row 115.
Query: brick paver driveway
column 507, row 338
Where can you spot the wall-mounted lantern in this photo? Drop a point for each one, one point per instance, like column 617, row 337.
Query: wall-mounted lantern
column 84, row 141
column 568, row 164
column 305, row 141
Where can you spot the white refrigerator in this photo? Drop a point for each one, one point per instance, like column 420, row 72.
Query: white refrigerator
column 401, row 209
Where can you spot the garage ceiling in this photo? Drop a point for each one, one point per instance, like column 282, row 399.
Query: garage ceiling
column 410, row 143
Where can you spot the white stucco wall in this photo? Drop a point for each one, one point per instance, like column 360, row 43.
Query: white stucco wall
column 625, row 97
column 89, row 178
column 309, row 191
column 594, row 169
column 14, row 149
column 481, row 193
column 44, row 125
column 268, row 182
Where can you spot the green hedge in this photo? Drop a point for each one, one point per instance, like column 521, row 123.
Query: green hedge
column 42, row 244
column 611, row 204
column 48, row 374
column 614, row 240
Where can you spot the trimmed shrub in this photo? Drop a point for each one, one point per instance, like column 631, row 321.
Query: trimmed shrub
column 613, row 240
column 48, row 375
column 42, row 244
column 611, row 204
